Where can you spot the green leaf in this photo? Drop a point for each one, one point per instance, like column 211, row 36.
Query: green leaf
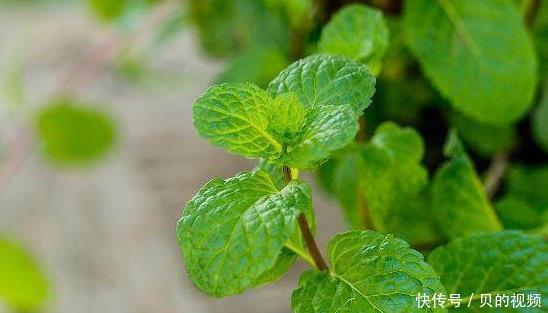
column 72, row 133
column 525, row 202
column 328, row 129
column 232, row 233
column 230, row 27
column 321, row 80
column 286, row 117
column 485, row 139
column 235, row 117
column 23, row 285
column 358, row 32
column 370, row 273
column 477, row 53
column 497, row 263
column 108, row 9
column 540, row 121
column 258, row 65
column 458, row 197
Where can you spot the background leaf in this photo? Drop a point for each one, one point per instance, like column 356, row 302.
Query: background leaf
column 499, row 263
column 370, row 273
column 478, row 55
column 524, row 205
column 458, row 197
column 72, row 133
column 23, row 285
column 540, row 121
column 358, row 32
column 232, row 233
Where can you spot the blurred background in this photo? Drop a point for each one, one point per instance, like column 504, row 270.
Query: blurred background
column 98, row 153
column 102, row 230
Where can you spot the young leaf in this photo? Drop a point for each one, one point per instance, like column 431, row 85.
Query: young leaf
column 23, row 286
column 370, row 273
column 328, row 128
column 497, row 263
column 458, row 198
column 232, row 233
column 477, row 53
column 286, row 117
column 235, row 117
column 322, row 80
column 358, row 32
column 74, row 134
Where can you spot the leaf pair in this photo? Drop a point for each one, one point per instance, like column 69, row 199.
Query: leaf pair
column 311, row 109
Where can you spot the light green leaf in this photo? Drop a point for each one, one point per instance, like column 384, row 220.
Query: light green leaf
column 232, row 233
column 72, row 133
column 525, row 202
column 498, row 263
column 370, row 272
column 286, row 117
column 23, row 286
column 477, row 53
column 321, row 80
column 458, row 197
column 540, row 120
column 484, row 138
column 235, row 117
column 328, row 129
column 358, row 32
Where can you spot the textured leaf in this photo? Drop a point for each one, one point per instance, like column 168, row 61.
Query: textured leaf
column 370, row 273
column 73, row 134
column 234, row 117
column 286, row 117
column 458, row 197
column 358, row 32
column 498, row 263
column 23, row 286
column 321, row 80
column 232, row 233
column 478, row 55
column 484, row 138
column 540, row 120
column 525, row 202
column 328, row 128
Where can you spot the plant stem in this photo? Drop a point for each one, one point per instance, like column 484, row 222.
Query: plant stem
column 495, row 173
column 362, row 203
column 302, row 253
column 313, row 249
column 529, row 9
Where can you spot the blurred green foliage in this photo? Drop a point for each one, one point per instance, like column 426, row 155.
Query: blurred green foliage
column 23, row 285
column 72, row 133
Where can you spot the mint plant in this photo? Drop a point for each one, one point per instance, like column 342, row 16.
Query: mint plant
column 316, row 115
